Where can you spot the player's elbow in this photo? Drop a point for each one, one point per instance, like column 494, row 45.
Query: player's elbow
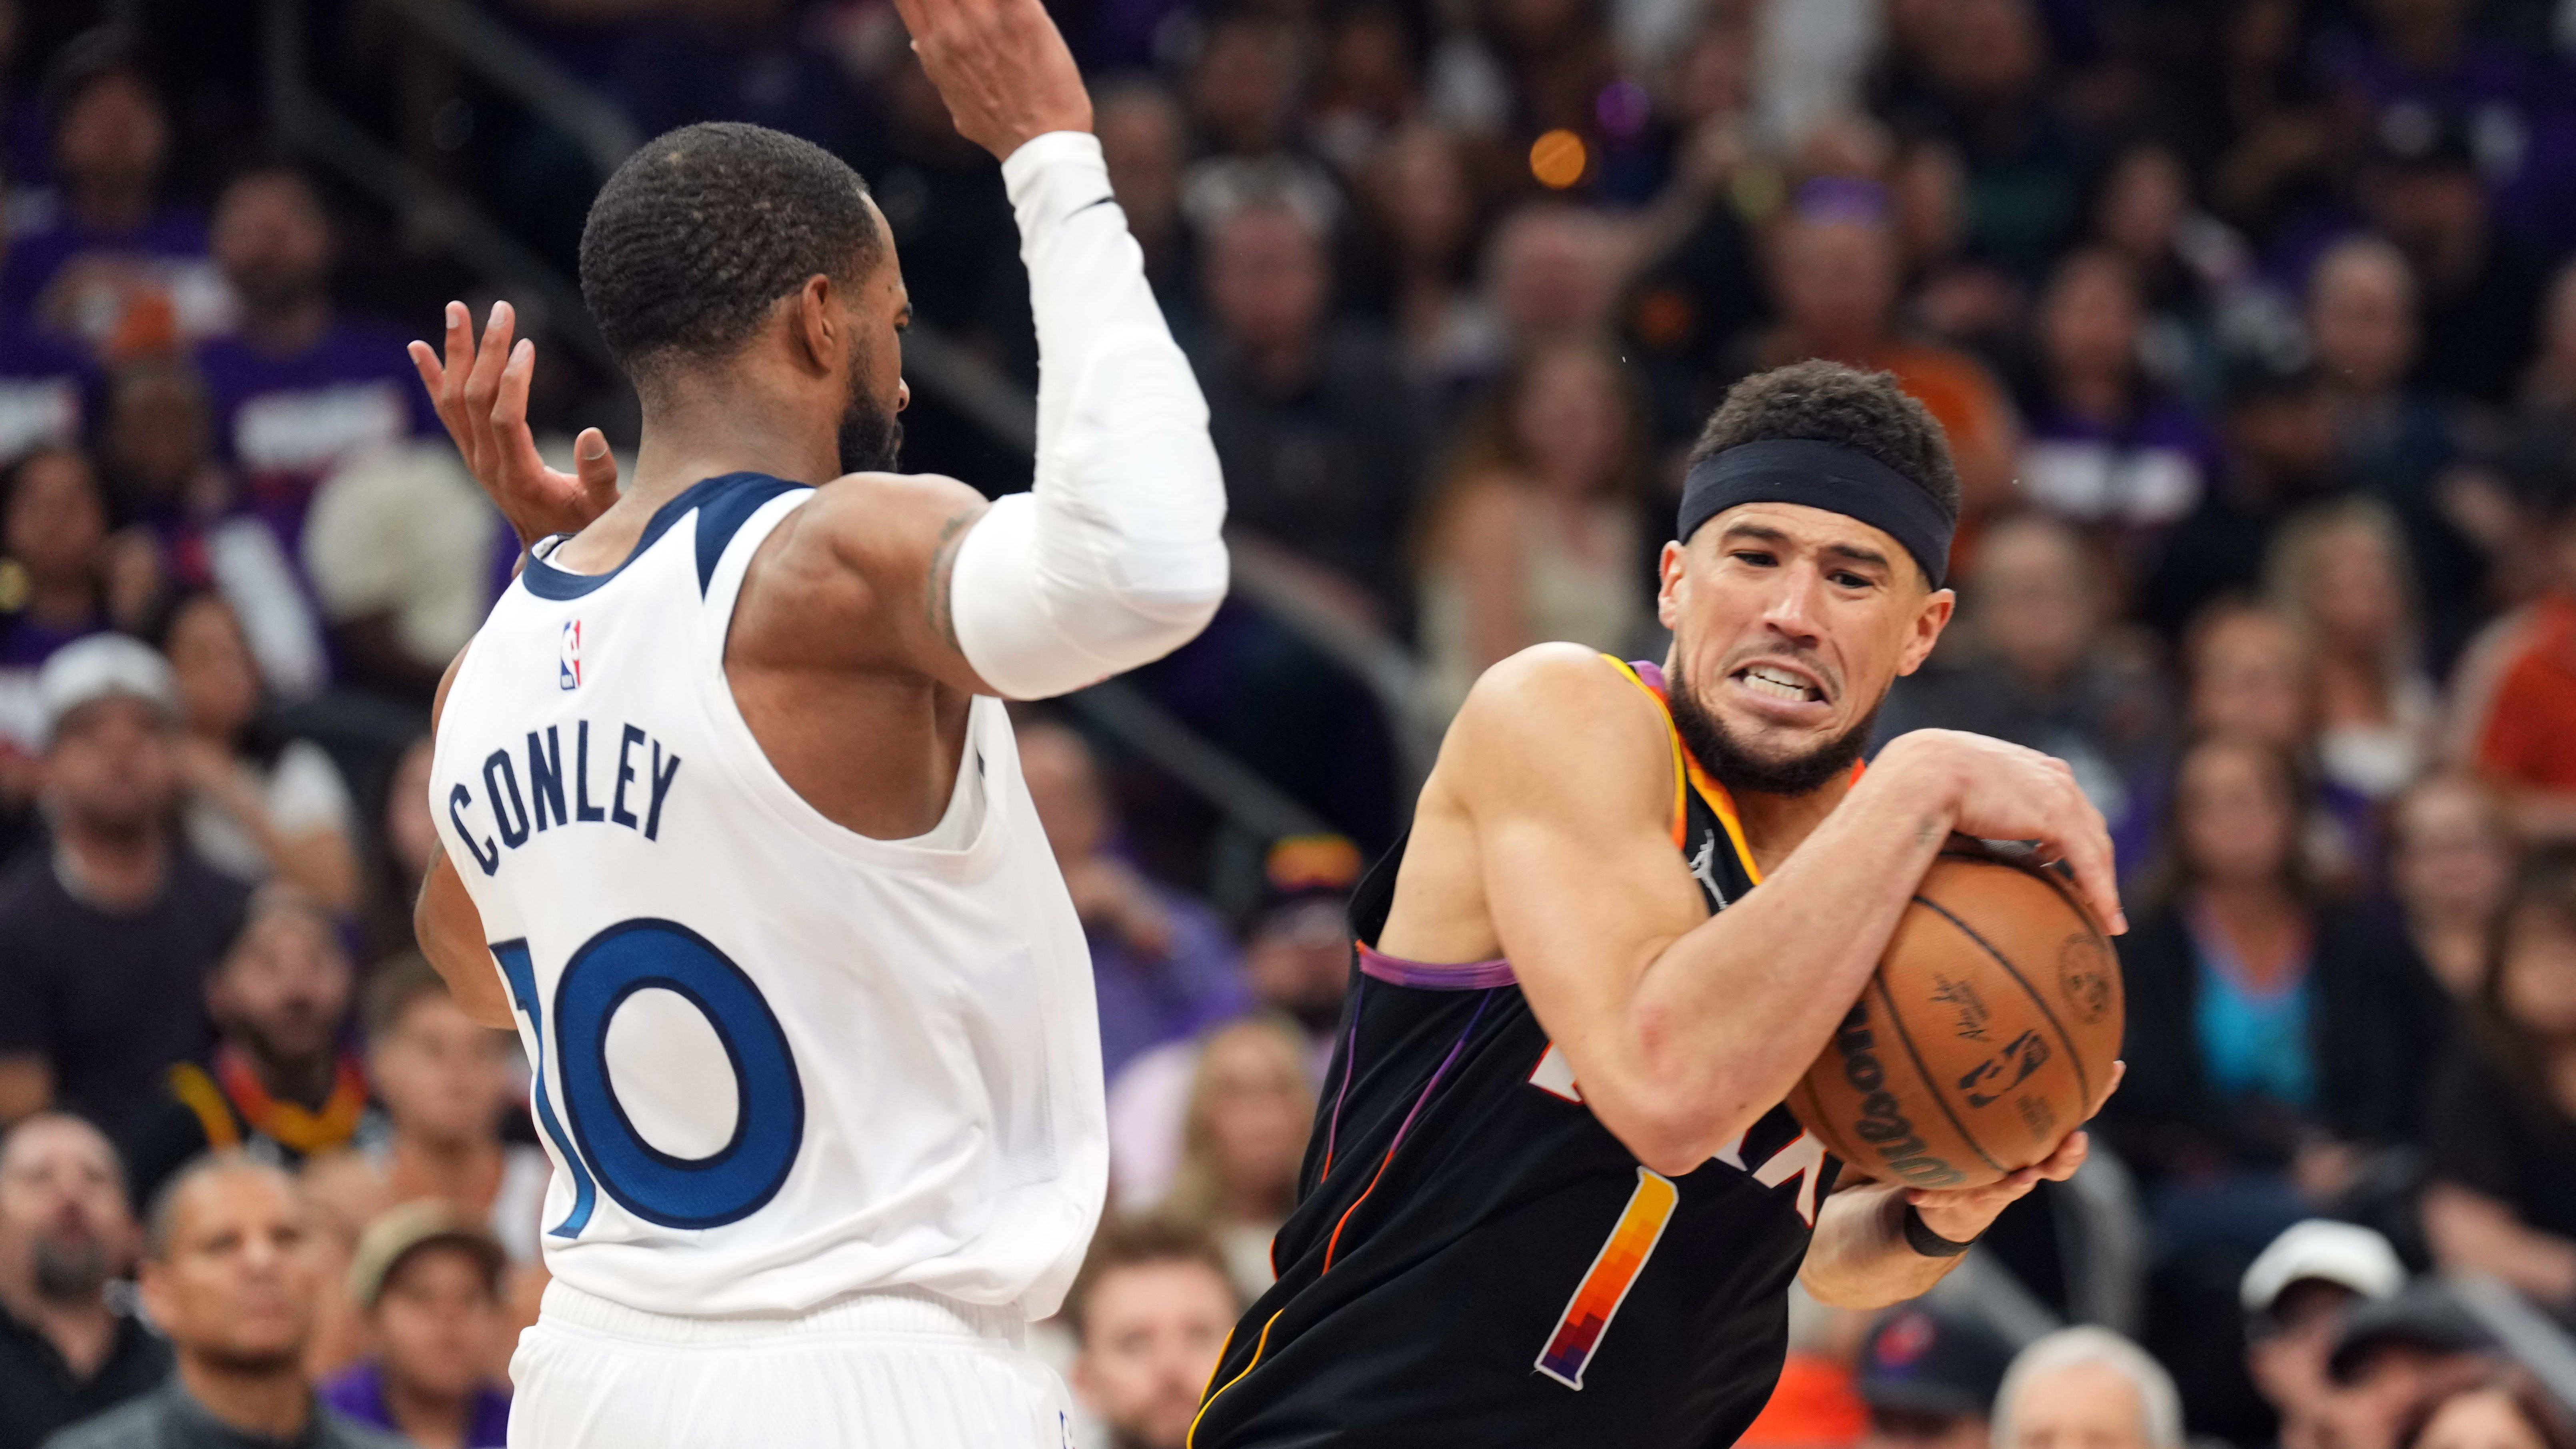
column 1667, row 1132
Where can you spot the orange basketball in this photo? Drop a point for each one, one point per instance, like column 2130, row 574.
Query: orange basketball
column 1987, row 1031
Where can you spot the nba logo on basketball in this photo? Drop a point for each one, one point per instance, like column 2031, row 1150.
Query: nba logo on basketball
column 568, row 658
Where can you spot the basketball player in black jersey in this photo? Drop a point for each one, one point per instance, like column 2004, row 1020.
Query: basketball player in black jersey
column 1552, row 1198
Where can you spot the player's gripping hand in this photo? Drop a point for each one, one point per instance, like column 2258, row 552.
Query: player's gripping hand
column 1002, row 68
column 1998, row 791
column 1960, row 1214
column 481, row 393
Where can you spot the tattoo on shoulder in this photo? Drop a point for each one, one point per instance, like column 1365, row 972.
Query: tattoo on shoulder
column 943, row 563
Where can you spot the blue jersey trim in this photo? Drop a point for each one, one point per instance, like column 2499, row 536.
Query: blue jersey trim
column 724, row 502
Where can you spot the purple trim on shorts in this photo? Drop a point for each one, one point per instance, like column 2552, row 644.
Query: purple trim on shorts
column 1650, row 672
column 1425, row 976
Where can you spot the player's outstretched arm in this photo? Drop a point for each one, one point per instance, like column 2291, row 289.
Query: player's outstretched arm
column 1683, row 1028
column 1114, row 557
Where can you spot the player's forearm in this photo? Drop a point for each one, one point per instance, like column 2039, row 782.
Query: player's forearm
column 1859, row 1257
column 1115, row 556
column 1728, row 1017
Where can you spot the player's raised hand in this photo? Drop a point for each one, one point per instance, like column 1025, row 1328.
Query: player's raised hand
column 1001, row 66
column 481, row 393
column 2000, row 791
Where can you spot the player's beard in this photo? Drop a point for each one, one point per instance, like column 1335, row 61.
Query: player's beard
column 870, row 434
column 1733, row 766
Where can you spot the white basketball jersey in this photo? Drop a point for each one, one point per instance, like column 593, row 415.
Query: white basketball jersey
column 776, row 1061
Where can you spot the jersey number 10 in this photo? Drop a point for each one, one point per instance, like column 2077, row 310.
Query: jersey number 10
column 603, row 1151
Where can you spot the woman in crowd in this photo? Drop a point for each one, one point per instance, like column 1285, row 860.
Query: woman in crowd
column 2500, row 1124
column 1537, row 535
column 1417, row 196
column 2269, row 1042
column 2341, row 573
column 1243, row 1141
column 2491, row 1408
column 259, row 805
column 2450, row 855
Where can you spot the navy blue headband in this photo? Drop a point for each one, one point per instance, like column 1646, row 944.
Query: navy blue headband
column 1820, row 475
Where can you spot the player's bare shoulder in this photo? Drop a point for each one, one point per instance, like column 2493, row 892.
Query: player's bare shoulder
column 1558, row 721
column 858, row 575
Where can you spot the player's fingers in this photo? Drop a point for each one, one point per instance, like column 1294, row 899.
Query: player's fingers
column 459, row 365
column 2110, row 1084
column 483, row 385
column 593, row 464
column 433, row 376
column 2086, row 847
column 2070, row 1155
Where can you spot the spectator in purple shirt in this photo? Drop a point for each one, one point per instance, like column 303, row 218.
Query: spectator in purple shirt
column 297, row 389
column 1163, row 963
column 115, row 269
column 429, row 1285
column 2106, row 446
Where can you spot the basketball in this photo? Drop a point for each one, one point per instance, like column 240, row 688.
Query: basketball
column 1983, row 1037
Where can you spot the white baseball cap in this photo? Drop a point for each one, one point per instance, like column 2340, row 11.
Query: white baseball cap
column 102, row 666
column 2329, row 1251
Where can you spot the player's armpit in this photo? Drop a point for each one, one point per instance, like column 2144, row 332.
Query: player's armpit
column 450, row 931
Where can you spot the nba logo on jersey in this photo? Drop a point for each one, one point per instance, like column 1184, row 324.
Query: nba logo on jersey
column 568, row 656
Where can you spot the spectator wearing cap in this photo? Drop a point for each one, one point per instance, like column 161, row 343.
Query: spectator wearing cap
column 2086, row 1386
column 115, row 270
column 428, row 1283
column 106, row 940
column 231, row 1277
column 1833, row 271
column 297, row 389
column 1297, row 960
column 2296, row 1296
column 1161, row 962
column 278, row 1084
column 1929, row 1376
column 67, row 1350
column 2388, row 1354
column 1149, row 1313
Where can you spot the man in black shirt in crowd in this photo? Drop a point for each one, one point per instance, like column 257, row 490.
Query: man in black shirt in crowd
column 281, row 1082
column 105, row 939
column 66, row 1351
column 230, row 1274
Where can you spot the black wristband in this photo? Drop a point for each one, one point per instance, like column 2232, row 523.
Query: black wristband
column 1920, row 1237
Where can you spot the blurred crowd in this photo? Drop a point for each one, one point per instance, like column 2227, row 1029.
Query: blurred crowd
column 2252, row 325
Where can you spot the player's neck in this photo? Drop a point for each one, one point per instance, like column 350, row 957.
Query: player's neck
column 712, row 429
column 1775, row 825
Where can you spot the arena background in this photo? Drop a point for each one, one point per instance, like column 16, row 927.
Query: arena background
column 2252, row 323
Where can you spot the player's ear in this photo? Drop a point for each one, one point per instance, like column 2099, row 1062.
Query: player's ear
column 1668, row 581
column 813, row 327
column 1930, row 618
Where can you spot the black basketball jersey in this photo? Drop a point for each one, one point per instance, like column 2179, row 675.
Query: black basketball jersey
column 1475, row 1260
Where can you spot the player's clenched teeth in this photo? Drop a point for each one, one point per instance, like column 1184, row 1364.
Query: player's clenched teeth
column 1777, row 683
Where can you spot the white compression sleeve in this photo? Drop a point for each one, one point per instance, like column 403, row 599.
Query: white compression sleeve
column 1114, row 557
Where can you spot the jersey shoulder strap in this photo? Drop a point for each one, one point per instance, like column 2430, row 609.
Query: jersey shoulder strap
column 1694, row 790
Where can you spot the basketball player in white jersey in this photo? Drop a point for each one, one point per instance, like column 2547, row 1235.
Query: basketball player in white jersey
column 733, row 825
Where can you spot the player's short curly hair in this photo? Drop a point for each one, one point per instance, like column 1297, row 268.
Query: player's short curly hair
column 702, row 229
column 1827, row 402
